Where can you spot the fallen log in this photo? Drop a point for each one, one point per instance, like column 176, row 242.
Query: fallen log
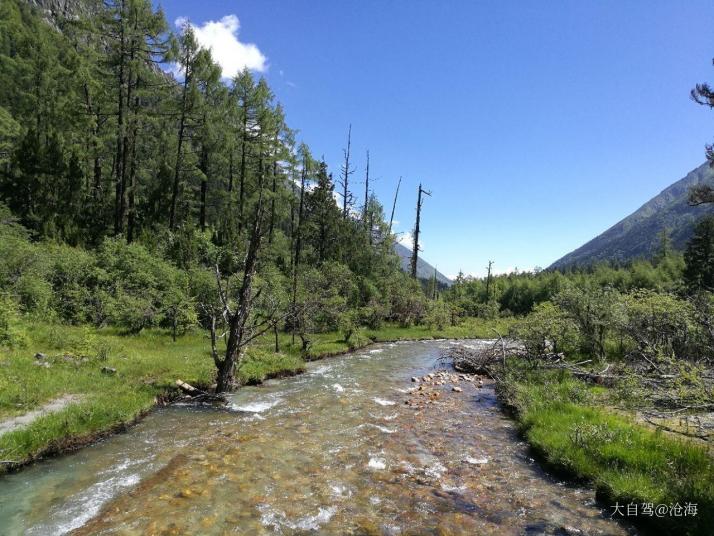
column 188, row 388
column 198, row 395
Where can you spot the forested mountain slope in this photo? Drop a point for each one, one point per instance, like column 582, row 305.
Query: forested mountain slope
column 640, row 233
column 424, row 269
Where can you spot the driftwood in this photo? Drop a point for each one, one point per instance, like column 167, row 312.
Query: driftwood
column 601, row 378
column 485, row 359
column 197, row 394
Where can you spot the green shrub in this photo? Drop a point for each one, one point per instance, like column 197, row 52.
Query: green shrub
column 34, row 293
column 132, row 313
column 438, row 315
column 658, row 325
column 347, row 325
column 10, row 334
column 372, row 315
column 547, row 328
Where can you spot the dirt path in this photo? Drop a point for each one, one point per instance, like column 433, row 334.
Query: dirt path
column 13, row 423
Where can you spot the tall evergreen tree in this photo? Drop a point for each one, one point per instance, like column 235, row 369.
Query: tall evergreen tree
column 699, row 257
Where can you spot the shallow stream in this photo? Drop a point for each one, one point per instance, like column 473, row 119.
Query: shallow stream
column 337, row 450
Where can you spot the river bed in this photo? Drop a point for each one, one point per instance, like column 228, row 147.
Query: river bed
column 337, row 450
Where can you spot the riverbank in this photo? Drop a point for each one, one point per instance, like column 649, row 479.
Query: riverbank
column 569, row 426
column 337, row 450
column 118, row 378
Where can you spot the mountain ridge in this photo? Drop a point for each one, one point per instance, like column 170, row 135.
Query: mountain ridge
column 424, row 269
column 638, row 234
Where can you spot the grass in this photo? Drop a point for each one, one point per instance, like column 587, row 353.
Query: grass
column 147, row 365
column 625, row 461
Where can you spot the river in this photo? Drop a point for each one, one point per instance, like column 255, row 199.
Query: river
column 333, row 451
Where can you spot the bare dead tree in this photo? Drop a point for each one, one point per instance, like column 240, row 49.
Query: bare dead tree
column 488, row 281
column 366, row 191
column 298, row 237
column 243, row 327
column 344, row 181
column 417, row 229
column 394, row 205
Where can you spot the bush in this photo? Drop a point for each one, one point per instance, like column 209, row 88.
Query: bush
column 488, row 310
column 438, row 315
column 659, row 325
column 408, row 304
column 595, row 311
column 10, row 334
column 34, row 293
column 132, row 313
column 547, row 328
column 372, row 315
column 347, row 325
column 71, row 279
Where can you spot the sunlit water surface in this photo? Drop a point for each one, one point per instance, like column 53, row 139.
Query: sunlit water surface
column 333, row 451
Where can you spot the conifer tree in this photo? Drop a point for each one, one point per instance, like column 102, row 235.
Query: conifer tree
column 699, row 257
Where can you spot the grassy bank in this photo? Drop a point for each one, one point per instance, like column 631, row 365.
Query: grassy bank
column 147, row 365
column 564, row 422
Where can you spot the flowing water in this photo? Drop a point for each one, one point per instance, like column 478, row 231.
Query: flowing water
column 333, row 451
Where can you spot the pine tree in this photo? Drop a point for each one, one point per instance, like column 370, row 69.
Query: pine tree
column 699, row 257
column 323, row 216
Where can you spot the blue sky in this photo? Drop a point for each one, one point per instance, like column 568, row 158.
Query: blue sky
column 536, row 125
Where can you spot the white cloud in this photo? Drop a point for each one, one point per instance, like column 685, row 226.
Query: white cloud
column 221, row 38
column 407, row 239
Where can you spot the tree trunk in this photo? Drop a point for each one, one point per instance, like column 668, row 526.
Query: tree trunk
column 238, row 322
column 203, row 166
column 298, row 238
column 119, row 192
column 394, row 206
column 366, row 192
column 179, row 151
column 131, row 222
column 415, row 251
column 243, row 163
column 272, row 203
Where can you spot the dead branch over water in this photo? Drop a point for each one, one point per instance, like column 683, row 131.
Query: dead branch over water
column 666, row 396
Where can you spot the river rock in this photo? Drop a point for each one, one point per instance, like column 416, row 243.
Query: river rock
column 415, row 379
column 456, row 389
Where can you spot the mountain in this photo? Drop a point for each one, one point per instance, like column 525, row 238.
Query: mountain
column 424, row 269
column 638, row 235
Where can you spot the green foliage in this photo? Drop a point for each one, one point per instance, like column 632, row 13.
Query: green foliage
column 641, row 324
column 547, row 328
column 438, row 315
column 595, row 311
column 518, row 292
column 659, row 325
column 348, row 325
column 626, row 462
column 699, row 257
column 408, row 304
column 10, row 334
